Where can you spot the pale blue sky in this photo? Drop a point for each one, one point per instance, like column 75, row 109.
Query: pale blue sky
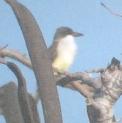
column 102, row 41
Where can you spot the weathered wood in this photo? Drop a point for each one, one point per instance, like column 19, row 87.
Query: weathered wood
column 9, row 103
column 27, row 104
column 40, row 61
column 10, row 108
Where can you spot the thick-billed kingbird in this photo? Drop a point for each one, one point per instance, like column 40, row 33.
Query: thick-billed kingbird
column 63, row 49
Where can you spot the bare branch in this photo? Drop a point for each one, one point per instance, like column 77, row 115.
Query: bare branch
column 95, row 70
column 9, row 103
column 65, row 81
column 23, row 96
column 14, row 54
column 78, row 81
column 83, row 89
column 110, row 10
column 103, row 97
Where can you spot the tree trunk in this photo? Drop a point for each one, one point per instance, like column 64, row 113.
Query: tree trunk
column 40, row 62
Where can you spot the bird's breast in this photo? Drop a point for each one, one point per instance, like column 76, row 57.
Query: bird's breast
column 66, row 52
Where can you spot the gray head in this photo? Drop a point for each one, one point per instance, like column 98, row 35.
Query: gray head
column 64, row 31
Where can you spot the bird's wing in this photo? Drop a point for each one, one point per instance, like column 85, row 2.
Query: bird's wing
column 52, row 50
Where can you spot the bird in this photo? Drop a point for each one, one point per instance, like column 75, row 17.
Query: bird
column 63, row 49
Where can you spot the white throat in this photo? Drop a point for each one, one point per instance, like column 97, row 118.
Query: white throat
column 67, row 46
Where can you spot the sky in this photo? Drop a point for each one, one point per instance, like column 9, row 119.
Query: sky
column 102, row 40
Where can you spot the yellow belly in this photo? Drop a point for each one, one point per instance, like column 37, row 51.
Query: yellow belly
column 61, row 64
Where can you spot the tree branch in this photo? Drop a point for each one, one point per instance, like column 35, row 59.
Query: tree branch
column 9, row 103
column 14, row 54
column 78, row 81
column 110, row 10
column 24, row 98
column 40, row 61
column 71, row 81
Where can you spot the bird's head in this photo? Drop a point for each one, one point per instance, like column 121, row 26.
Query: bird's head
column 65, row 31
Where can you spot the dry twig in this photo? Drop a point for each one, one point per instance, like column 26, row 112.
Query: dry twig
column 110, row 10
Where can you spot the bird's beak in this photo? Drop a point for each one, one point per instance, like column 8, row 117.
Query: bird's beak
column 77, row 34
